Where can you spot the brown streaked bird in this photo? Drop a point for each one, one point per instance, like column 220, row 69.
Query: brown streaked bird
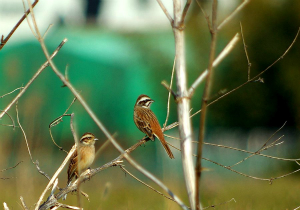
column 147, row 122
column 86, row 149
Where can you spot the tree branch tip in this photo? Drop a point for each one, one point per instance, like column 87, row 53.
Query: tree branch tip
column 167, row 86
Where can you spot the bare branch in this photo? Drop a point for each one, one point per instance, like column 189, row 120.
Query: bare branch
column 11, row 167
column 88, row 174
column 185, row 10
column 5, row 206
column 219, row 204
column 205, row 15
column 168, row 87
column 4, row 41
column 55, row 176
column 28, row 22
column 183, row 105
column 169, row 95
column 60, row 205
column 162, row 6
column 253, row 78
column 257, row 152
column 46, row 32
column 270, row 180
column 126, row 171
column 46, row 64
column 11, row 92
column 229, row 47
column 24, row 134
column 245, row 151
column 23, row 203
column 12, row 120
column 245, row 48
column 237, row 10
column 57, row 121
column 206, row 95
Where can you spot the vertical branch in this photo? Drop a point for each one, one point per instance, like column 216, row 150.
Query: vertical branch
column 205, row 98
column 185, row 128
column 245, row 48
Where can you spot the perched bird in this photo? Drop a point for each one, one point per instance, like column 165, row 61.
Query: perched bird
column 147, row 122
column 79, row 163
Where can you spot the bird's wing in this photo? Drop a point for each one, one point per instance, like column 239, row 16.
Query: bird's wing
column 72, row 166
column 144, row 127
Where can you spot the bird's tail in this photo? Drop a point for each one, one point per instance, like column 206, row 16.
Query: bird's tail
column 167, row 148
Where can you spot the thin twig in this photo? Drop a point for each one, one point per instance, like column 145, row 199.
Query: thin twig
column 229, row 47
column 12, row 120
column 61, row 205
column 11, row 167
column 236, row 11
column 165, row 84
column 245, row 151
column 265, row 144
column 246, row 53
column 66, row 74
column 236, row 149
column 24, row 134
column 162, row 6
column 58, row 171
column 206, row 16
column 219, row 204
column 126, row 171
column 46, row 32
column 11, row 92
column 57, row 121
column 257, row 152
column 255, row 77
column 185, row 10
column 169, row 95
column 27, row 19
column 240, row 173
column 32, row 79
column 4, row 41
column 270, row 180
column 23, row 203
column 36, row 163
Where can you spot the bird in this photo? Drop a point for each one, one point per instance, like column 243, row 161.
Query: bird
column 146, row 121
column 86, row 150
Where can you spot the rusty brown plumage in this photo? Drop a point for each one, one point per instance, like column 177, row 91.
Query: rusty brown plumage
column 147, row 122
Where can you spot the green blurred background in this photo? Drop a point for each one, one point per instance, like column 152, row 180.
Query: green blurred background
column 112, row 66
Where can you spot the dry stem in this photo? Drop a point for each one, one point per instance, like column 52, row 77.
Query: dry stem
column 46, row 64
column 4, row 41
column 205, row 97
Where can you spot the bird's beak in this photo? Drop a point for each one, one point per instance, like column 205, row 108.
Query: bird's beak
column 96, row 139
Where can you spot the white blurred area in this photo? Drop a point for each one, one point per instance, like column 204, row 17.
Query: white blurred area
column 117, row 15
column 121, row 15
